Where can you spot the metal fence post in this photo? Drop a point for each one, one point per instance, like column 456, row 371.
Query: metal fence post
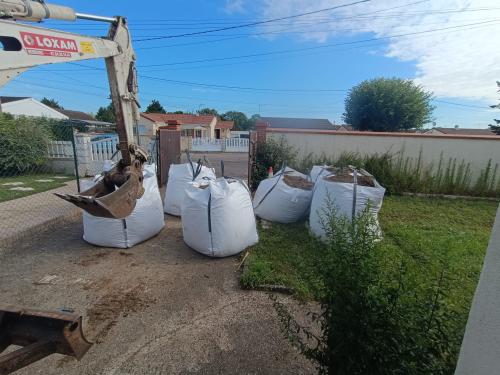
column 75, row 157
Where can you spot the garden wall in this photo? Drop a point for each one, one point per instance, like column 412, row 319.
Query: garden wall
column 476, row 150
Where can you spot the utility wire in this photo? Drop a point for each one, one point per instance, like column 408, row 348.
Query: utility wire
column 254, row 23
column 318, row 47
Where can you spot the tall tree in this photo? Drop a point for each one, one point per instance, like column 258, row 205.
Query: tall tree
column 52, row 103
column 106, row 114
column 241, row 121
column 384, row 104
column 208, row 111
column 155, row 107
column 495, row 128
column 252, row 120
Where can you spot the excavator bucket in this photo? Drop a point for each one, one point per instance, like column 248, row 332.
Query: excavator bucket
column 116, row 194
column 103, row 200
column 39, row 334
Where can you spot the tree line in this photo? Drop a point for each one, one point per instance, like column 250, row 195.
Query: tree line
column 241, row 121
column 380, row 104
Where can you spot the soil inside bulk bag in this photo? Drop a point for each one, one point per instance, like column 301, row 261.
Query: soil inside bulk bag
column 145, row 221
column 349, row 178
column 284, row 198
column 217, row 217
column 318, row 171
column 298, row 182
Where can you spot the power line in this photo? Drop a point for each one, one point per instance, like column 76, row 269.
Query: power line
column 240, row 87
column 254, row 23
column 318, row 47
column 460, row 104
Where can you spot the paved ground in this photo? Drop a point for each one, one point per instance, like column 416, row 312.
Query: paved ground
column 235, row 163
column 22, row 215
column 159, row 308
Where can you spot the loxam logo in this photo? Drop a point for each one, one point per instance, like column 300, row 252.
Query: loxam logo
column 47, row 45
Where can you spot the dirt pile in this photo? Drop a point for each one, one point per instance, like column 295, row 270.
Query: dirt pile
column 298, row 182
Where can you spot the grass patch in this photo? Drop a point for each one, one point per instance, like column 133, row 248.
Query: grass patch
column 29, row 181
column 433, row 231
column 285, row 255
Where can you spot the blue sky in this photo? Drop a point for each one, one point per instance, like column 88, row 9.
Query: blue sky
column 456, row 63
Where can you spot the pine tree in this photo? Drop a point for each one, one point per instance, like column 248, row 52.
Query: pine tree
column 155, row 107
column 496, row 128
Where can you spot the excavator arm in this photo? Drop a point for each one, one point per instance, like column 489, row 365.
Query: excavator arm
column 26, row 46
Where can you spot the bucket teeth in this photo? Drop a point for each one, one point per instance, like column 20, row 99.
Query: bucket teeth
column 100, row 201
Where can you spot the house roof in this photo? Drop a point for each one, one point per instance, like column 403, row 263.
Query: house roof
column 464, row 131
column 76, row 115
column 181, row 118
column 221, row 124
column 8, row 99
column 298, row 123
column 343, row 127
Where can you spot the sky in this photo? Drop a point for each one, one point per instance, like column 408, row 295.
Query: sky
column 291, row 67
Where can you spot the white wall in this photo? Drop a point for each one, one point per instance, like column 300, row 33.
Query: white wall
column 476, row 150
column 32, row 107
column 480, row 352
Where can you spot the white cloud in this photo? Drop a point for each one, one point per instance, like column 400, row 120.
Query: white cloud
column 461, row 63
column 234, row 6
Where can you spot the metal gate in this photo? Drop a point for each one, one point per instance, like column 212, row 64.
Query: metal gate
column 252, row 156
column 169, row 151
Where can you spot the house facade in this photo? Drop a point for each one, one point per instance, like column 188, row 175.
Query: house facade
column 193, row 126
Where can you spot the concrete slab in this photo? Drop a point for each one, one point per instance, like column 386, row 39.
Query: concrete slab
column 22, row 216
column 158, row 308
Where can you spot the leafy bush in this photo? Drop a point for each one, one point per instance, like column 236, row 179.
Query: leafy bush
column 23, row 144
column 378, row 315
column 274, row 153
column 63, row 130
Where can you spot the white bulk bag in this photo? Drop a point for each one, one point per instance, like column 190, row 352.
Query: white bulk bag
column 319, row 170
column 218, row 220
column 145, row 221
column 179, row 177
column 279, row 202
column 342, row 195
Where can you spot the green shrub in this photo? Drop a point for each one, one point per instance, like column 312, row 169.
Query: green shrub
column 23, row 144
column 63, row 130
column 401, row 174
column 274, row 153
column 378, row 314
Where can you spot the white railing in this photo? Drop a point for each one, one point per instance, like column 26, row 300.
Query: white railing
column 104, row 149
column 218, row 145
column 236, row 144
column 60, row 149
column 206, row 144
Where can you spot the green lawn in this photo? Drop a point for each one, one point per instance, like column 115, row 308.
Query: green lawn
column 435, row 232
column 29, row 181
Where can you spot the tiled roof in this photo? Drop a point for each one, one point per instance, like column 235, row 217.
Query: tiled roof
column 343, row 127
column 464, row 131
column 8, row 99
column 298, row 123
column 76, row 115
column 181, row 118
column 224, row 124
